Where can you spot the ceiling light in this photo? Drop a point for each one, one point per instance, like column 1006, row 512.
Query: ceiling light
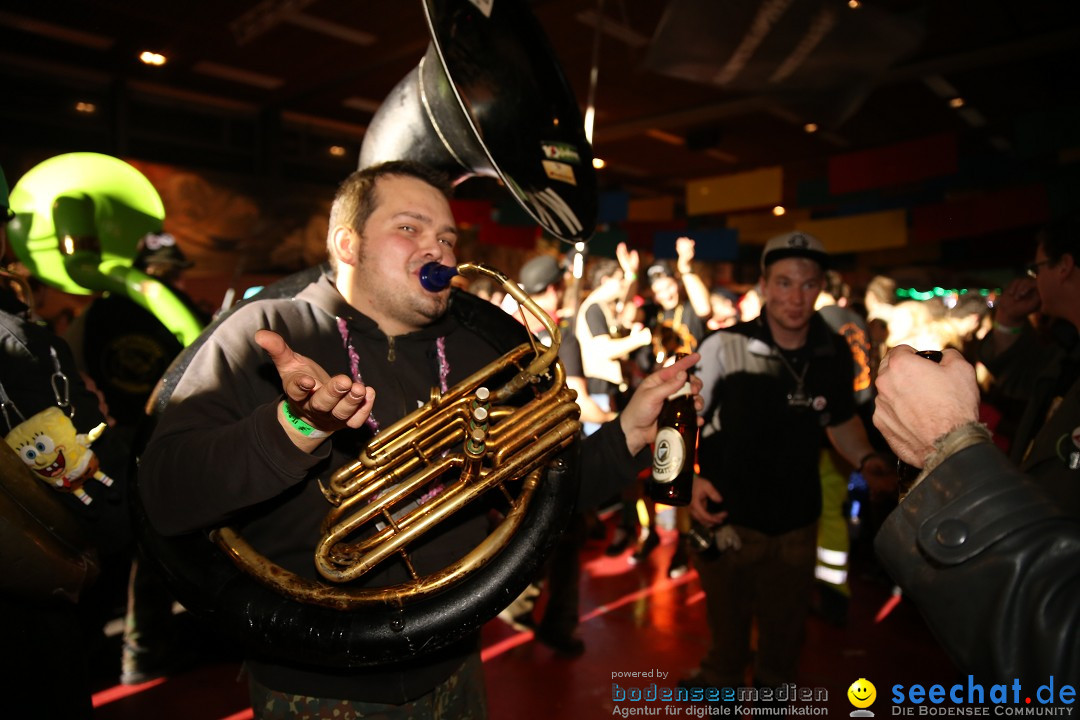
column 85, row 107
column 152, row 58
column 779, row 210
column 337, row 151
column 598, row 163
column 854, row 4
column 810, row 127
column 956, row 102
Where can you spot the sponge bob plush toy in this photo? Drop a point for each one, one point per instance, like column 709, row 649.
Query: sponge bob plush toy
column 59, row 456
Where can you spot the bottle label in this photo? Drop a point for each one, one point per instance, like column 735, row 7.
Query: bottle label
column 668, row 456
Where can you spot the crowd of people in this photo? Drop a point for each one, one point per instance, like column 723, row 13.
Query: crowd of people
column 806, row 391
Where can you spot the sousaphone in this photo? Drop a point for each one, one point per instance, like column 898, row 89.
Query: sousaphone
column 488, row 98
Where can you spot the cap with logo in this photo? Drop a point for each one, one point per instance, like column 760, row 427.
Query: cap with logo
column 794, row 245
column 540, row 272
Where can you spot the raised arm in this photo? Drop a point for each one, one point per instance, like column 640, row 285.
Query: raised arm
column 696, row 292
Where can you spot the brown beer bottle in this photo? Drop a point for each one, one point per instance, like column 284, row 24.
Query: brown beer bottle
column 675, row 450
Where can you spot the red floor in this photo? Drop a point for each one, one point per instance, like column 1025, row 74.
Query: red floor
column 633, row 619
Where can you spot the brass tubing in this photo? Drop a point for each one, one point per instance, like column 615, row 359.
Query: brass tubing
column 464, row 388
column 453, row 499
column 369, row 482
column 343, row 597
column 535, row 431
column 339, row 530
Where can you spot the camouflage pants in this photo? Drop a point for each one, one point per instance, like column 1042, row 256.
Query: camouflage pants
column 461, row 696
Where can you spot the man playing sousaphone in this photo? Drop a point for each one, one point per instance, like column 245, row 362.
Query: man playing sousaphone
column 252, row 425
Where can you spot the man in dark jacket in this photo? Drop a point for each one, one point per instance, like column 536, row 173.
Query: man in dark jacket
column 775, row 389
column 1045, row 375
column 245, row 435
column 991, row 559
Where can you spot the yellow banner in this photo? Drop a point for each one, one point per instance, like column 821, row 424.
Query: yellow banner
column 758, row 228
column 859, row 233
column 741, row 191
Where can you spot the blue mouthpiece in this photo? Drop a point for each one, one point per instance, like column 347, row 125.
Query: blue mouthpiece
column 435, row 277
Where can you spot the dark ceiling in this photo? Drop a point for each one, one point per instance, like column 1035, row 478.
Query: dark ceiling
column 267, row 86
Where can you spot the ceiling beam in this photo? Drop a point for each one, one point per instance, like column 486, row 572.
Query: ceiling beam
column 1004, row 53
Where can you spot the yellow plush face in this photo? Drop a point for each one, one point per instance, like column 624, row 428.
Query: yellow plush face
column 47, row 443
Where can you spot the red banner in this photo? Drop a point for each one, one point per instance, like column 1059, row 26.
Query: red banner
column 471, row 212
column 894, row 165
column 981, row 215
column 517, row 236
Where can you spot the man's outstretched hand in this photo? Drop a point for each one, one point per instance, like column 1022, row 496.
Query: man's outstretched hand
column 326, row 403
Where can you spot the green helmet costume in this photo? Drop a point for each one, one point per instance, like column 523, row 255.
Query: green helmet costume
column 78, row 221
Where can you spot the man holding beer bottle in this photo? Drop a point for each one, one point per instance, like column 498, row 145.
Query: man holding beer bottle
column 774, row 388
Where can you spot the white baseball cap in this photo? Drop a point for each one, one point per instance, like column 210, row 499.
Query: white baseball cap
column 794, row 244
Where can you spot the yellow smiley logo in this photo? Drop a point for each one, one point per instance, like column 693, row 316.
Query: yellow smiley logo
column 862, row 693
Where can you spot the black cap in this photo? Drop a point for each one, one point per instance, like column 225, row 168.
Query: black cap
column 659, row 270
column 540, row 272
column 159, row 249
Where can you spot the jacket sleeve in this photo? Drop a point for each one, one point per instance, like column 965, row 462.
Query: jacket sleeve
column 218, row 447
column 606, row 465
column 993, row 565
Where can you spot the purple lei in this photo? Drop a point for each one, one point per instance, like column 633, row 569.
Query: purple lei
column 354, row 365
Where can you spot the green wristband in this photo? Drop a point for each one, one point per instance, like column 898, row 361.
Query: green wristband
column 301, row 425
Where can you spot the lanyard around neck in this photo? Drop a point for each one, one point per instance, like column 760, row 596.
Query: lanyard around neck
column 354, row 364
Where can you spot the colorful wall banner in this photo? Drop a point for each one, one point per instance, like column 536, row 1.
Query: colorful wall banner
column 518, row 236
column 709, row 243
column 740, row 191
column 901, row 164
column 642, row 235
column 981, row 215
column 758, row 228
column 656, row 209
column 603, row 243
column 509, row 212
column 613, row 206
column 858, row 233
column 471, row 212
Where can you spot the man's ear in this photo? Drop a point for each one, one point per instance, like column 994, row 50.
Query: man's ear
column 1067, row 261
column 344, row 243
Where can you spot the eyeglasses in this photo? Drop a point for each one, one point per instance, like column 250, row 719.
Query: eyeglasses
column 1033, row 268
